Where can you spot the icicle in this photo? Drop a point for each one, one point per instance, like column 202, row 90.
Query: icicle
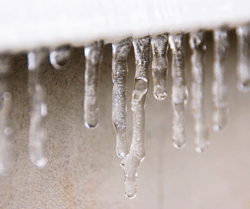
column 243, row 66
column 37, row 134
column 160, row 65
column 198, row 46
column 5, row 129
column 179, row 89
column 93, row 54
column 137, row 149
column 219, row 89
column 60, row 56
column 119, row 107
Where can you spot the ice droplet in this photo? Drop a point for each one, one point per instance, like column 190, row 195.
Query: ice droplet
column 119, row 108
column 219, row 89
column 5, row 129
column 93, row 56
column 37, row 134
column 60, row 56
column 197, row 42
column 179, row 89
column 243, row 65
column 137, row 149
column 160, row 65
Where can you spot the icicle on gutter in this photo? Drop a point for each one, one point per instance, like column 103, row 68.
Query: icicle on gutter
column 179, row 89
column 60, row 56
column 38, row 112
column 93, row 56
column 198, row 58
column 160, row 65
column 219, row 89
column 119, row 108
column 137, row 149
column 5, row 129
column 243, row 66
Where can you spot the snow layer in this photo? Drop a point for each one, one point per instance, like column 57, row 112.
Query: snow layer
column 29, row 24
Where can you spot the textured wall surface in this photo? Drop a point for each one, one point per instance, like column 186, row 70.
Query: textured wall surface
column 83, row 170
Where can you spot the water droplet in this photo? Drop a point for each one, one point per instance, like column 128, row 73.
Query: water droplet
column 8, row 131
column 60, row 56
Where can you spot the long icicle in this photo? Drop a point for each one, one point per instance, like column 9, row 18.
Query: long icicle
column 93, row 56
column 160, row 65
column 198, row 58
column 60, row 56
column 243, row 65
column 37, row 133
column 119, row 108
column 5, row 129
column 219, row 89
column 179, row 89
column 137, row 149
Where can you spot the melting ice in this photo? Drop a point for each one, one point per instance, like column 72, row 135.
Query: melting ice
column 219, row 88
column 179, row 89
column 93, row 59
column 119, row 108
column 198, row 47
column 38, row 112
column 137, row 149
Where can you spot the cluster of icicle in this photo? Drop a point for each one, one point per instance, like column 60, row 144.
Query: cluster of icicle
column 148, row 50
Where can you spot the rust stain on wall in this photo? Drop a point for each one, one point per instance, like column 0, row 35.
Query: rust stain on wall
column 68, row 192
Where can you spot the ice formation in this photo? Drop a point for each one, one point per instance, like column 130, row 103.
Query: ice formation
column 38, row 111
column 137, row 149
column 201, row 128
column 119, row 107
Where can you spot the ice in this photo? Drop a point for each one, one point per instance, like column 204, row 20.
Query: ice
column 179, row 89
column 93, row 55
column 60, row 56
column 38, row 112
column 119, row 108
column 198, row 46
column 160, row 65
column 243, row 66
column 5, row 109
column 219, row 89
column 137, row 149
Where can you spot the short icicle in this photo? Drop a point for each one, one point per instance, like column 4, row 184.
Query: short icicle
column 38, row 112
column 179, row 89
column 219, row 88
column 93, row 56
column 119, row 108
column 5, row 129
column 60, row 56
column 198, row 58
column 160, row 65
column 243, row 65
column 137, row 149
